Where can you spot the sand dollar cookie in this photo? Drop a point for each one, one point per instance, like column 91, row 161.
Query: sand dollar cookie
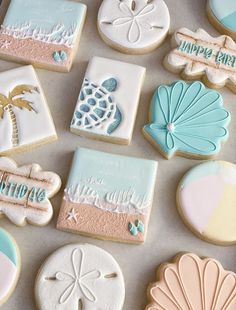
column 9, row 265
column 192, row 283
column 187, row 119
column 80, row 276
column 222, row 14
column 133, row 26
column 206, row 201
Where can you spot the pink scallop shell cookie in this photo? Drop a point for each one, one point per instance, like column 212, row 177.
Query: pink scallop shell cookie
column 193, row 283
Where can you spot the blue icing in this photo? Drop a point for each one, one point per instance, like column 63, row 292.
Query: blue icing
column 189, row 118
column 230, row 21
column 116, row 172
column 8, row 247
column 224, row 11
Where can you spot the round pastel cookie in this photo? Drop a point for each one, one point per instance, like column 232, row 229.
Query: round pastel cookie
column 80, row 276
column 9, row 265
column 133, row 26
column 187, row 119
column 206, row 199
column 191, row 282
column 222, row 15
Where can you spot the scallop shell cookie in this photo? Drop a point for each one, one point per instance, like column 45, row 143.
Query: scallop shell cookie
column 80, row 276
column 9, row 265
column 193, row 283
column 206, row 201
column 133, row 26
column 222, row 15
column 187, row 119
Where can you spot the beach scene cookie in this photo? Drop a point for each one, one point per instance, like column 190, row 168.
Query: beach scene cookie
column 108, row 196
column 206, row 201
column 25, row 193
column 43, row 33
column 222, row 15
column 80, row 276
column 198, row 55
column 10, row 265
column 187, row 119
column 191, row 282
column 25, row 119
column 106, row 108
column 133, row 26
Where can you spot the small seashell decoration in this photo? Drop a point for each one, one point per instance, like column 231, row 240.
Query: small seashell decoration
column 192, row 283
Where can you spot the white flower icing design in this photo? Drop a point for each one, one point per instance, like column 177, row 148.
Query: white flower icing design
column 77, row 280
column 135, row 20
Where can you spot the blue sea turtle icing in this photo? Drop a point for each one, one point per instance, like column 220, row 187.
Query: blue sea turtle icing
column 187, row 118
column 96, row 109
column 225, row 12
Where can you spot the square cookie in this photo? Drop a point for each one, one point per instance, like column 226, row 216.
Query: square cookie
column 108, row 196
column 108, row 101
column 44, row 33
column 25, row 119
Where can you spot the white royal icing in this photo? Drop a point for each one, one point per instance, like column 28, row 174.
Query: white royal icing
column 80, row 276
column 133, row 24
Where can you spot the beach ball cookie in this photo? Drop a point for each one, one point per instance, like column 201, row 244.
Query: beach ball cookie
column 222, row 15
column 9, row 265
column 43, row 33
column 133, row 26
column 206, row 201
column 191, row 282
column 108, row 196
column 25, row 119
column 187, row 119
column 198, row 55
column 25, row 193
column 80, row 276
column 108, row 101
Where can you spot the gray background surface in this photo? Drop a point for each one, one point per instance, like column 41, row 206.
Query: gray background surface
column 167, row 234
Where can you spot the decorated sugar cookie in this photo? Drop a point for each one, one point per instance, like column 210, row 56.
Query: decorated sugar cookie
column 187, row 119
column 43, row 33
column 206, row 201
column 9, row 265
column 198, row 55
column 25, row 120
column 80, row 276
column 222, row 15
column 25, row 192
column 192, row 283
column 133, row 26
column 108, row 196
column 106, row 107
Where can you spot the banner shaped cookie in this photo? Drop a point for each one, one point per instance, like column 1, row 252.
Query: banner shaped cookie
column 25, row 193
column 199, row 55
column 206, row 199
column 108, row 196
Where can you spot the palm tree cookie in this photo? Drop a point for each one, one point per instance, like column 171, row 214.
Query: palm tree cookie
column 25, row 120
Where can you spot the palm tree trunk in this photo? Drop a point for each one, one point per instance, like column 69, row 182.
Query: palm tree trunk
column 15, row 135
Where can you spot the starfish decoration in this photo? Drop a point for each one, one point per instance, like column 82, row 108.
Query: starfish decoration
column 77, row 280
column 72, row 215
column 5, row 44
column 134, row 19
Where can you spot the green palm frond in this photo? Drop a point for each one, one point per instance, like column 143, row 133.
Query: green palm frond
column 21, row 90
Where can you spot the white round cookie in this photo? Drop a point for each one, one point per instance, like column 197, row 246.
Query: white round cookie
column 133, row 26
column 80, row 276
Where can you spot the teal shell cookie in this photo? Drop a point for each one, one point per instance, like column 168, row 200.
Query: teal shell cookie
column 187, row 119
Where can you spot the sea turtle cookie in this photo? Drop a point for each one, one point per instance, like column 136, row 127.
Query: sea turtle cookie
column 108, row 196
column 187, row 119
column 222, row 15
column 133, row 26
column 206, row 201
column 9, row 265
column 25, row 193
column 80, row 276
column 191, row 282
column 43, row 33
column 198, row 55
